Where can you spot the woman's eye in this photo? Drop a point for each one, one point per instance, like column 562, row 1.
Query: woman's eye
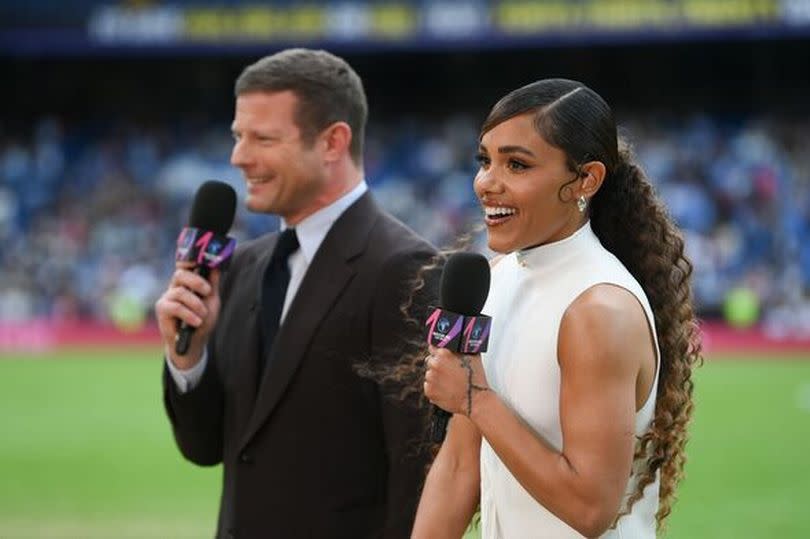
column 482, row 160
column 516, row 166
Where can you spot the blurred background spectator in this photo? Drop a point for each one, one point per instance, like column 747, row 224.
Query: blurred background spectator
column 90, row 220
column 103, row 146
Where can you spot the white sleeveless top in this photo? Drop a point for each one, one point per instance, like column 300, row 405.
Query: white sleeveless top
column 530, row 292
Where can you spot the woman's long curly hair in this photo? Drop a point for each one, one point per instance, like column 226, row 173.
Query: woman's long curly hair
column 632, row 223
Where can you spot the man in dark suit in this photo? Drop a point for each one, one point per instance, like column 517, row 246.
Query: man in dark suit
column 269, row 386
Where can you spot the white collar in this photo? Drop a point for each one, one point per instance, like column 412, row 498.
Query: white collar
column 313, row 229
column 551, row 252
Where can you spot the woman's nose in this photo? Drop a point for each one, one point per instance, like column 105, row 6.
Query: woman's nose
column 485, row 181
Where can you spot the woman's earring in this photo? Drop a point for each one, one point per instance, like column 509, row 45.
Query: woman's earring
column 582, row 204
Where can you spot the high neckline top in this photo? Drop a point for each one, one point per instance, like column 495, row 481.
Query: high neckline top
column 549, row 253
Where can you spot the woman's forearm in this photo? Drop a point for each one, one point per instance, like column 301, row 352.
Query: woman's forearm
column 448, row 502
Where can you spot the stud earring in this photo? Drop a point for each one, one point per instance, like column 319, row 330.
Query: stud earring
column 582, row 204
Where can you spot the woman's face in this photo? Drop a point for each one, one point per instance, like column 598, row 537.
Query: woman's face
column 518, row 184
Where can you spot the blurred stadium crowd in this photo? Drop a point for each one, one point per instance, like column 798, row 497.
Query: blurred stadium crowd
column 89, row 216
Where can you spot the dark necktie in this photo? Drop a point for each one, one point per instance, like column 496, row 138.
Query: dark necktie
column 274, row 289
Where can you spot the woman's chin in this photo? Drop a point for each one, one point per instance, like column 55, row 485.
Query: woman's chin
column 499, row 246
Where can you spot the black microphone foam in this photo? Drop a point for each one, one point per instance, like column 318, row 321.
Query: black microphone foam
column 213, row 208
column 464, row 285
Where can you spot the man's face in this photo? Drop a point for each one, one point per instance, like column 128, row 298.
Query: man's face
column 284, row 175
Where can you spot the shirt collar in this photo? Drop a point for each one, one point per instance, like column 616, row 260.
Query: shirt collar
column 313, row 229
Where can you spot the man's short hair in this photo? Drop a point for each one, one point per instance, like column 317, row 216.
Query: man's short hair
column 327, row 88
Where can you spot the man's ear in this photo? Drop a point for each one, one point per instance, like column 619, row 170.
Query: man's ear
column 336, row 140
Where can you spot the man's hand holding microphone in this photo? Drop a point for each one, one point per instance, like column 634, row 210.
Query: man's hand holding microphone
column 188, row 310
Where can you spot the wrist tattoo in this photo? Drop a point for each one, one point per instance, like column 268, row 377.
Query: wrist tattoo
column 465, row 362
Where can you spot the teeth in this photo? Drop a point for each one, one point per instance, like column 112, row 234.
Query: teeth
column 498, row 211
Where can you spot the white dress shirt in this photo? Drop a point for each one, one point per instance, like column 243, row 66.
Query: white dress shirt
column 311, row 233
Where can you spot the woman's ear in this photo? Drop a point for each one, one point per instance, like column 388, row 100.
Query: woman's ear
column 592, row 175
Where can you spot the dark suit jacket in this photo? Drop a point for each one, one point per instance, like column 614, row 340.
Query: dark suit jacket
column 312, row 449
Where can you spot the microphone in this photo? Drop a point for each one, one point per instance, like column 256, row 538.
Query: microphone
column 458, row 324
column 204, row 241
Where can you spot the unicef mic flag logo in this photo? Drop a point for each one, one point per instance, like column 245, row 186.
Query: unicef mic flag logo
column 444, row 328
column 204, row 247
column 214, row 247
column 443, row 325
column 476, row 334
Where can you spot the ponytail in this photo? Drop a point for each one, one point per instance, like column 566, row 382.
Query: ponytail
column 633, row 224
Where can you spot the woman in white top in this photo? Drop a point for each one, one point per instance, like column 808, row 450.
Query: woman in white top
column 574, row 422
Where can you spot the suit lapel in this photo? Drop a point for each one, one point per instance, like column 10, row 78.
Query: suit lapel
column 327, row 276
column 248, row 326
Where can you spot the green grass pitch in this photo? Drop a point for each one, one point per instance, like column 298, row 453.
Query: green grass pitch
column 86, row 452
